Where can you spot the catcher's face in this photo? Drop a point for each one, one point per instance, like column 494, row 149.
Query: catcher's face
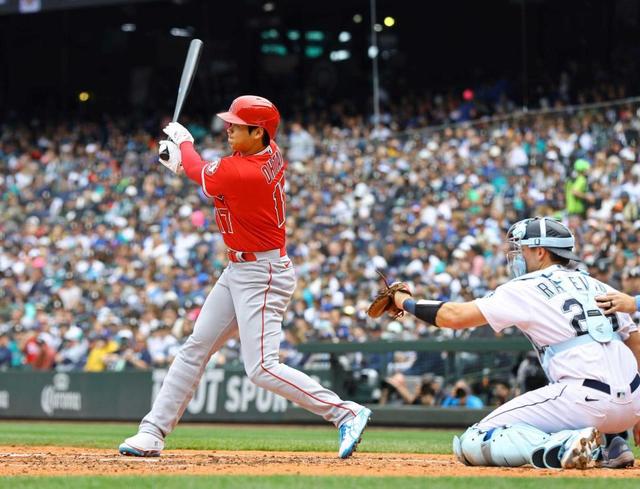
column 516, row 259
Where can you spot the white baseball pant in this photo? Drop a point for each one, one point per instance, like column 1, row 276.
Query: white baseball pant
column 567, row 405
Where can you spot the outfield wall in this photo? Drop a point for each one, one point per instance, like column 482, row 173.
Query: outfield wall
column 224, row 395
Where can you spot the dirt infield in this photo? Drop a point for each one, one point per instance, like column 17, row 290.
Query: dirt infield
column 51, row 461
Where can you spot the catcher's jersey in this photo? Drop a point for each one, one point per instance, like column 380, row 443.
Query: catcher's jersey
column 248, row 194
column 547, row 306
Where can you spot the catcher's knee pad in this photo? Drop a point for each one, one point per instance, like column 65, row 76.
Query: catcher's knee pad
column 507, row 446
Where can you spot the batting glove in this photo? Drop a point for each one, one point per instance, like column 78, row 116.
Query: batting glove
column 174, row 160
column 177, row 133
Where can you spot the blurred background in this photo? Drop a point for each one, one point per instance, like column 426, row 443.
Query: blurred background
column 416, row 134
column 127, row 55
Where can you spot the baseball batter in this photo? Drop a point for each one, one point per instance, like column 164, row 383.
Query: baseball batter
column 590, row 359
column 250, row 297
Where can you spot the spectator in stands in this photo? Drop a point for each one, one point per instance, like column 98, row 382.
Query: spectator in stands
column 461, row 396
column 500, row 394
column 427, row 392
column 135, row 354
column 301, row 144
column 530, row 375
column 5, row 352
column 162, row 345
column 87, row 235
column 100, row 349
column 626, row 208
column 578, row 197
column 38, row 354
column 288, row 353
column 72, row 354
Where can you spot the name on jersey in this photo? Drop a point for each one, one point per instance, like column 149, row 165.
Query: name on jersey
column 554, row 286
column 272, row 167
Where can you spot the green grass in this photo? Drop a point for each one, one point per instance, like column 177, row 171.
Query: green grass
column 272, row 438
column 229, row 437
column 298, row 482
column 226, row 437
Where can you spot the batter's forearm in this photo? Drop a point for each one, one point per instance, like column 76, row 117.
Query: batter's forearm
column 191, row 162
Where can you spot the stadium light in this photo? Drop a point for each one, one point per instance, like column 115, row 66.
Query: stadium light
column 373, row 54
column 357, row 18
column 269, row 6
column 181, row 32
column 270, row 34
column 128, row 27
column 377, row 27
column 314, row 36
column 274, row 49
column 313, row 51
column 340, row 55
column 344, row 36
column 389, row 21
column 83, row 96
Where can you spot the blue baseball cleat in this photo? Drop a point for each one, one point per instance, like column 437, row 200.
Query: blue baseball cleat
column 351, row 433
column 142, row 445
column 617, row 455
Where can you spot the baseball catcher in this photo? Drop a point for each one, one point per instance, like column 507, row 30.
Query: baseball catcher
column 589, row 357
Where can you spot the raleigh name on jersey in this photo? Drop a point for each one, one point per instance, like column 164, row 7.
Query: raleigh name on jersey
column 547, row 306
column 248, row 194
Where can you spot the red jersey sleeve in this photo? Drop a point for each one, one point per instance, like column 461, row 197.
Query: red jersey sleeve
column 213, row 176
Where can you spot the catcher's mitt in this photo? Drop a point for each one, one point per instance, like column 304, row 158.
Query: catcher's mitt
column 383, row 302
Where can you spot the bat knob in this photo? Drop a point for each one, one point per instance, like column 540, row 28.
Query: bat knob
column 164, row 155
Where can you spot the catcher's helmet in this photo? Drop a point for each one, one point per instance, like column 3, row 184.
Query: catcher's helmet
column 250, row 110
column 543, row 232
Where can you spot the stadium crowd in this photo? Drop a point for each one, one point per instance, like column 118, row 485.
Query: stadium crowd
column 106, row 258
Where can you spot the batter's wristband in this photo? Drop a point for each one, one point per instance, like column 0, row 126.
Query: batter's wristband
column 638, row 302
column 425, row 310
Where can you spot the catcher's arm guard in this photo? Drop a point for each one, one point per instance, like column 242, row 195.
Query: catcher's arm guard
column 384, row 301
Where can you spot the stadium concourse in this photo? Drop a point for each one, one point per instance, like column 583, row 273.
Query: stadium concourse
column 105, row 257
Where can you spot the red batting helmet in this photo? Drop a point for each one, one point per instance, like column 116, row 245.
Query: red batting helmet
column 250, row 110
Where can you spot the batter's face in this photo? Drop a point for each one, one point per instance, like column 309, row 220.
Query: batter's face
column 241, row 140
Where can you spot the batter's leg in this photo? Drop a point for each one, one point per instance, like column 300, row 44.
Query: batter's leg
column 261, row 292
column 216, row 323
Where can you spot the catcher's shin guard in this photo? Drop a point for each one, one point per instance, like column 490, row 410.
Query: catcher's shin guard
column 569, row 449
column 508, row 446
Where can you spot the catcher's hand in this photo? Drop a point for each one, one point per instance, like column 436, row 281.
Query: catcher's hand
column 384, row 301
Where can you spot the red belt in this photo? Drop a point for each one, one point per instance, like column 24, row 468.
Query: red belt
column 244, row 256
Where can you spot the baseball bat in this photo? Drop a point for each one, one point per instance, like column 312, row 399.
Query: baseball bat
column 188, row 73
